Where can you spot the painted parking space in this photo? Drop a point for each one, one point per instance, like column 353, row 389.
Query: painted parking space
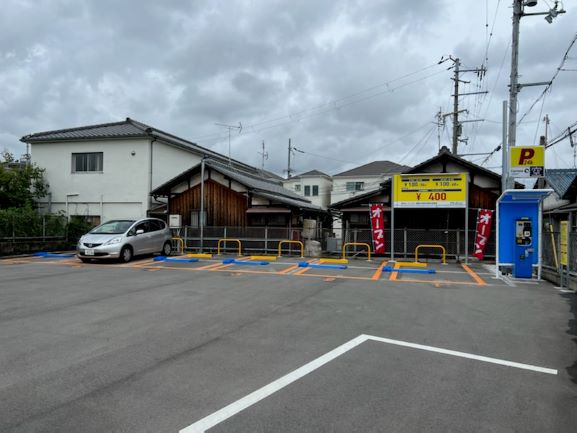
column 349, row 389
column 112, row 347
column 377, row 269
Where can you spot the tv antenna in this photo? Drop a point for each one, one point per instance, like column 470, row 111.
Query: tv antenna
column 230, row 128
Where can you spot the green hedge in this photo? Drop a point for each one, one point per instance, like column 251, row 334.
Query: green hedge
column 26, row 222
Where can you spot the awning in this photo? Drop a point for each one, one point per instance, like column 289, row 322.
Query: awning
column 267, row 210
column 524, row 195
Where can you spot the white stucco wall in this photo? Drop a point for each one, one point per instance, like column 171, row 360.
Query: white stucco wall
column 340, row 193
column 119, row 191
column 169, row 161
column 325, row 187
column 122, row 189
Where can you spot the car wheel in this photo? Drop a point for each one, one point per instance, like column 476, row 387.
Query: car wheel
column 166, row 249
column 85, row 260
column 125, row 254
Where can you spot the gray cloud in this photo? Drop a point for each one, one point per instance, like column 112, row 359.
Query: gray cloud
column 282, row 68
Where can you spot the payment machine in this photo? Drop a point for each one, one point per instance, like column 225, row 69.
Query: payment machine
column 523, row 263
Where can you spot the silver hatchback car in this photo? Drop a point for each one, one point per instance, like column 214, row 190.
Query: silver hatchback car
column 124, row 239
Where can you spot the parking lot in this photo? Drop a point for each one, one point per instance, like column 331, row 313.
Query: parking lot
column 278, row 346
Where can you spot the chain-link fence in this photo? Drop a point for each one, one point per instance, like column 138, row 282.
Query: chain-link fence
column 553, row 256
column 29, row 225
column 407, row 240
column 253, row 239
column 266, row 239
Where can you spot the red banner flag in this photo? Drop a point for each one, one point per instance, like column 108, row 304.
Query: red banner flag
column 378, row 228
column 484, row 217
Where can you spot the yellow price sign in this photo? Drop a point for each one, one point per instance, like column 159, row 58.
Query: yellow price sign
column 438, row 190
column 564, row 241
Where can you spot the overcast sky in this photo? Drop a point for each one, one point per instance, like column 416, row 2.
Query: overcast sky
column 348, row 81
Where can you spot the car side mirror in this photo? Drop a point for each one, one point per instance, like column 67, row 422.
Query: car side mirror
column 139, row 231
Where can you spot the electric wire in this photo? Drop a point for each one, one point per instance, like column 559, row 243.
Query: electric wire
column 548, row 86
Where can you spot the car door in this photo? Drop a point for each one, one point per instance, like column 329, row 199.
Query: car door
column 157, row 235
column 141, row 241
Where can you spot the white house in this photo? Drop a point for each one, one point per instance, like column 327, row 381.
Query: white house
column 107, row 171
column 361, row 180
column 314, row 185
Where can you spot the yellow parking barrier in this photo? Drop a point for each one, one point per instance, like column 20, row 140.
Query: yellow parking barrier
column 228, row 240
column 412, row 264
column 442, row 248
column 341, row 261
column 360, row 244
column 181, row 243
column 299, row 243
column 265, row 258
column 200, row 255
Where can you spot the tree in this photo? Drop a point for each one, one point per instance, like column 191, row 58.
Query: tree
column 21, row 183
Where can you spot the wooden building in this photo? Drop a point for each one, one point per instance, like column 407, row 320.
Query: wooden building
column 415, row 226
column 236, row 198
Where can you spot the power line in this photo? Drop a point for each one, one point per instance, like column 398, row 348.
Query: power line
column 337, row 103
column 548, row 86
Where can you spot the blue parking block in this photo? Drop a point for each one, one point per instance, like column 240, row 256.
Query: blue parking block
column 240, row 262
column 54, row 255
column 320, row 266
column 409, row 271
column 175, row 259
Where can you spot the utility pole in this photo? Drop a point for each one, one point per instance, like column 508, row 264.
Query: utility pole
column 230, row 127
column 457, row 127
column 514, row 86
column 289, row 171
column 264, row 155
column 456, row 108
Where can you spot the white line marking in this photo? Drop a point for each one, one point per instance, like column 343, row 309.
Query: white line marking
column 239, row 405
column 464, row 355
column 232, row 409
column 508, row 281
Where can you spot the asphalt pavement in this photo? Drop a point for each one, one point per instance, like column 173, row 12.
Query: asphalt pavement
column 151, row 347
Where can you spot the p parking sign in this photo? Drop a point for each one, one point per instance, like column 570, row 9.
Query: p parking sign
column 527, row 161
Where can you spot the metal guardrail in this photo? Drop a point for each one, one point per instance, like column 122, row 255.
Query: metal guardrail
column 291, row 242
column 359, row 244
column 220, row 241
column 442, row 248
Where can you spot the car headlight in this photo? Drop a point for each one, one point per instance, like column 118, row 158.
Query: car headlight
column 113, row 241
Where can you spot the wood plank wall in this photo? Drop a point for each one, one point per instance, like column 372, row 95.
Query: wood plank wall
column 223, row 206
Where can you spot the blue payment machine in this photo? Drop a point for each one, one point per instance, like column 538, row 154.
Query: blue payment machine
column 524, row 249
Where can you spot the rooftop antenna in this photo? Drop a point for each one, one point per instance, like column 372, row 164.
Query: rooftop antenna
column 264, row 155
column 230, row 127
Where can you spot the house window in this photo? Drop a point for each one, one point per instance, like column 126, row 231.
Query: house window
column 307, row 190
column 355, row 186
column 298, row 187
column 315, row 190
column 87, row 162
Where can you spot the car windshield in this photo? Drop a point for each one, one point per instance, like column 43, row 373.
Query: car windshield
column 112, row 227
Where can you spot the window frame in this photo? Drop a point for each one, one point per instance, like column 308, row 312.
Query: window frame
column 98, row 162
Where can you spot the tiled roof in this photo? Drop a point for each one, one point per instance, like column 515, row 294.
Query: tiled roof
column 270, row 189
column 561, row 179
column 126, row 128
column 375, row 168
column 131, row 128
column 253, row 182
column 310, row 174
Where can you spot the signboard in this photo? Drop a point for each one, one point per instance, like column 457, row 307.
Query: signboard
column 527, row 161
column 484, row 217
column 564, row 233
column 378, row 228
column 430, row 190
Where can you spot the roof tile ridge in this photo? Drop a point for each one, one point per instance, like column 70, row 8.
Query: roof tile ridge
column 78, row 128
